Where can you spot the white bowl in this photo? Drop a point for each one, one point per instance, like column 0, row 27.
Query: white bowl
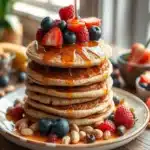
column 142, row 93
column 141, row 111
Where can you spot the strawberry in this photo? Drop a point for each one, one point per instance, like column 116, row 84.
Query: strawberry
column 75, row 25
column 66, row 13
column 107, row 125
column 52, row 138
column 39, row 35
column 16, row 112
column 148, row 102
column 82, row 35
column 136, row 46
column 146, row 57
column 123, row 116
column 92, row 21
column 53, row 37
column 145, row 78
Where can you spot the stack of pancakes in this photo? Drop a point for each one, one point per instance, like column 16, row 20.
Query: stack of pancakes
column 72, row 82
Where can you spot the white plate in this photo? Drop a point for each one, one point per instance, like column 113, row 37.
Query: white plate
column 141, row 112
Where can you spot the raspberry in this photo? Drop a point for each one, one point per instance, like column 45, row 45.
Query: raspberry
column 123, row 116
column 82, row 35
column 107, row 125
column 39, row 35
column 52, row 138
column 67, row 12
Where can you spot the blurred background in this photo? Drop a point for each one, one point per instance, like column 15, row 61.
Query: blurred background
column 124, row 21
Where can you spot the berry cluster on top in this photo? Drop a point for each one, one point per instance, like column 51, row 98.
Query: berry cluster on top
column 68, row 30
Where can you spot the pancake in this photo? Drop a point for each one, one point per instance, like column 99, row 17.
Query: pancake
column 94, row 90
column 45, row 75
column 56, row 101
column 81, row 55
column 34, row 115
column 76, row 110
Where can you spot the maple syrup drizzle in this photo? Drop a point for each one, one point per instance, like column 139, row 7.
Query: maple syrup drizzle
column 67, row 53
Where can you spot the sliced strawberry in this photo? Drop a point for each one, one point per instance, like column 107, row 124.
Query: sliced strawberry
column 53, row 37
column 67, row 13
column 145, row 78
column 92, row 21
column 39, row 35
column 75, row 25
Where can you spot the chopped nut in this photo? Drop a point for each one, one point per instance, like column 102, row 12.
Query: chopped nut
column 98, row 133
column 98, row 123
column 82, row 135
column 34, row 127
column 88, row 129
column 9, row 88
column 2, row 93
column 66, row 140
column 107, row 135
column 22, row 123
column 75, row 127
column 27, row 132
column 75, row 137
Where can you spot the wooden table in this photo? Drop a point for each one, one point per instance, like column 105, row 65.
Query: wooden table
column 141, row 143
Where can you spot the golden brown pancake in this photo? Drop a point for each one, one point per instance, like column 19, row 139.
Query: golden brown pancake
column 94, row 90
column 45, row 75
column 81, row 55
column 35, row 114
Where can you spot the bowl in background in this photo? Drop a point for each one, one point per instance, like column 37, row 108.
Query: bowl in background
column 130, row 76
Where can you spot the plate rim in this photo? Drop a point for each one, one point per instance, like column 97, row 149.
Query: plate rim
column 109, row 142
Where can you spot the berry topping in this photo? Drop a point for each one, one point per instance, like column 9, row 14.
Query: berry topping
column 60, row 127
column 92, row 21
column 75, row 25
column 22, row 76
column 69, row 37
column 39, row 35
column 4, row 80
column 45, row 126
column 53, row 37
column 121, row 130
column 107, row 125
column 95, row 33
column 66, row 13
column 62, row 25
column 46, row 24
column 82, row 35
column 52, row 138
column 123, row 116
column 90, row 138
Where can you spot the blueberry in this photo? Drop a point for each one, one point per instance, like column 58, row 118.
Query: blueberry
column 116, row 83
column 22, row 76
column 4, row 80
column 121, row 130
column 116, row 100
column 95, row 33
column 69, row 37
column 148, row 87
column 60, row 127
column 46, row 24
column 62, row 25
column 114, row 75
column 143, row 85
column 111, row 117
column 90, row 138
column 45, row 126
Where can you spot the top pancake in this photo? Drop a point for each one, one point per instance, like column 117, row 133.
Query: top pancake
column 82, row 55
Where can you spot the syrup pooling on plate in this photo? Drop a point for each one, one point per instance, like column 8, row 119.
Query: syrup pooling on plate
column 69, row 52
